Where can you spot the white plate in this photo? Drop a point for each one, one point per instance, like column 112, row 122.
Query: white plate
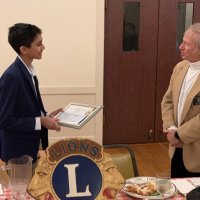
column 141, row 180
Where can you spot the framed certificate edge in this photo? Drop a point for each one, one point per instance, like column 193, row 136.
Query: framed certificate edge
column 81, row 123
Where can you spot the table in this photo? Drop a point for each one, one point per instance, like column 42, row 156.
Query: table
column 7, row 195
column 123, row 196
column 182, row 184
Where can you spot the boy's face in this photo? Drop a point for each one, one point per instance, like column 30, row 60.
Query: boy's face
column 36, row 48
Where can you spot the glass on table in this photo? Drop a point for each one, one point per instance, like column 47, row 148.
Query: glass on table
column 20, row 174
column 163, row 183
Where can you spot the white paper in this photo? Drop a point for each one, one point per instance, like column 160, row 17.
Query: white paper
column 70, row 118
column 1, row 189
column 184, row 186
column 194, row 181
column 79, row 110
column 75, row 115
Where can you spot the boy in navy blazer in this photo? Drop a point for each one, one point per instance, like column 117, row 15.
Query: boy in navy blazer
column 23, row 119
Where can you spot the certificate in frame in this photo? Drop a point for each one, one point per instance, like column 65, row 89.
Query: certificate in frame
column 76, row 115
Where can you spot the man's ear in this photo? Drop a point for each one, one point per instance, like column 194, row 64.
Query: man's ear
column 23, row 50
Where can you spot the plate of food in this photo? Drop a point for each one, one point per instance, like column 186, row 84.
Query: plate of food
column 145, row 188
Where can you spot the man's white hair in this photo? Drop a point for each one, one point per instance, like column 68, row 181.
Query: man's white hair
column 195, row 28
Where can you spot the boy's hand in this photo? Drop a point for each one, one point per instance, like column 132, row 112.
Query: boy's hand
column 50, row 123
column 54, row 113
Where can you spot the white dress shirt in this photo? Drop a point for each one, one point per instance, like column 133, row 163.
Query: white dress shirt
column 32, row 72
column 189, row 80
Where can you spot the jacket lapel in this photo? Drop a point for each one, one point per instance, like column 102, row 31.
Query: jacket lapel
column 193, row 92
column 27, row 75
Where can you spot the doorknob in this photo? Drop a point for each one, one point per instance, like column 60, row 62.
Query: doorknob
column 150, row 134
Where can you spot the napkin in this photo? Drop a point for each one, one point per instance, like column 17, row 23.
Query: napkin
column 182, row 185
column 194, row 181
column 1, row 190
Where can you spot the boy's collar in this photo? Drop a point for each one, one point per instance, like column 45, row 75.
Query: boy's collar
column 29, row 68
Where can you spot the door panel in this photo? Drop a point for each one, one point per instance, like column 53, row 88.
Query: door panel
column 130, row 77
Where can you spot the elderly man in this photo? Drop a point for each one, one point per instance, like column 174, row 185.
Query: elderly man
column 181, row 108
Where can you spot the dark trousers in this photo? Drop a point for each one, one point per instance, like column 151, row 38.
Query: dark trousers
column 178, row 169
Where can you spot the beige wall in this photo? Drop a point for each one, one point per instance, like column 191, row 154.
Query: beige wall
column 72, row 65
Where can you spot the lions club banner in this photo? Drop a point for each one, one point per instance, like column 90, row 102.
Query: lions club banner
column 75, row 169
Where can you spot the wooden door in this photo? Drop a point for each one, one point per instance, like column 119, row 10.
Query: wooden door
column 130, row 76
column 135, row 81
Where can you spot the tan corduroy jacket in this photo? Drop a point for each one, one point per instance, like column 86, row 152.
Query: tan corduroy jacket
column 189, row 129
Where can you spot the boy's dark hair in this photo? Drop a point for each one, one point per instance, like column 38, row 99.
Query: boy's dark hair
column 22, row 34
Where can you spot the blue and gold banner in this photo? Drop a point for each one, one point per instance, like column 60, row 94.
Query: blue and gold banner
column 75, row 169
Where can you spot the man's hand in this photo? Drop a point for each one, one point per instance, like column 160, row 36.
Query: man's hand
column 171, row 137
column 50, row 123
column 179, row 145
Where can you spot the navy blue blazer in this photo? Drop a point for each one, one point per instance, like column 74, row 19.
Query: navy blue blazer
column 18, row 109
